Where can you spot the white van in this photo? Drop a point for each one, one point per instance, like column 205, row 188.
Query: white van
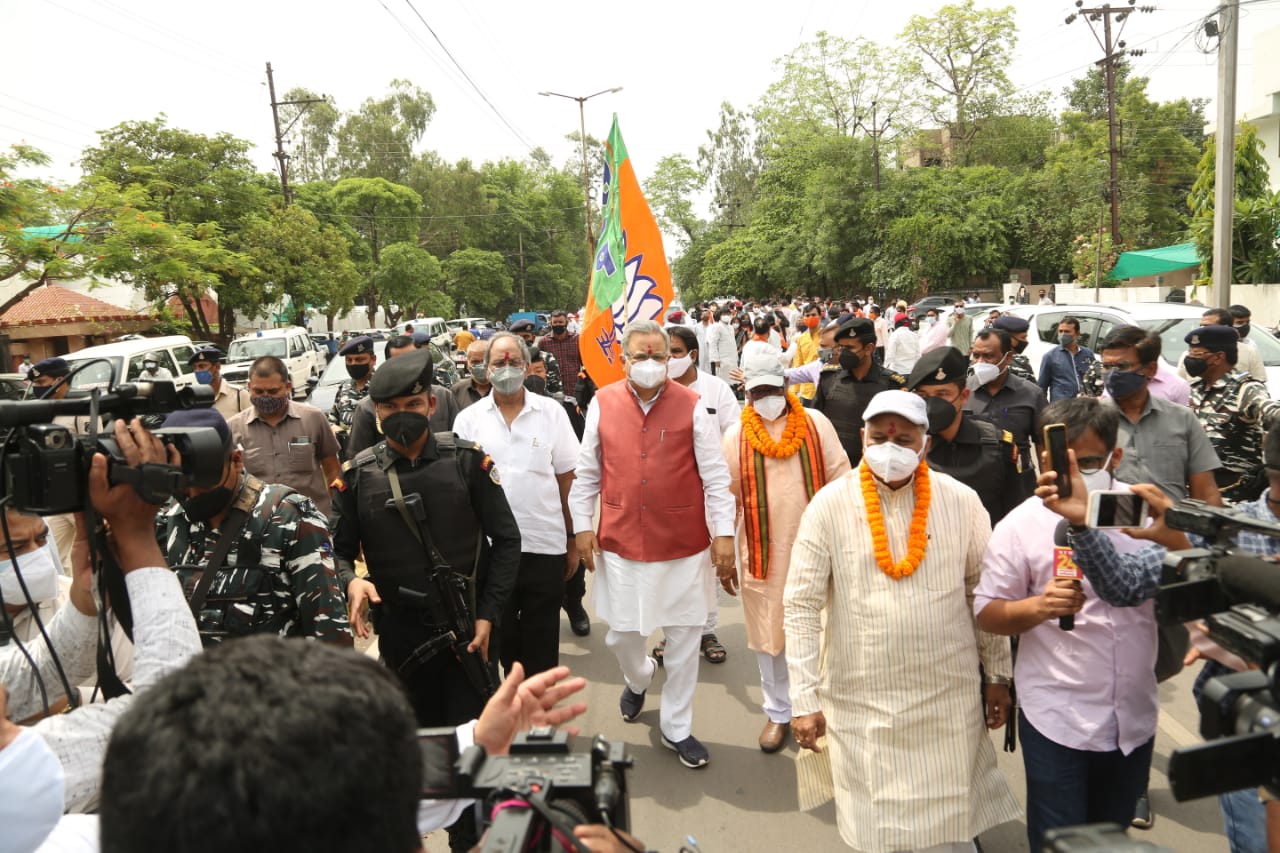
column 293, row 346
column 436, row 327
column 122, row 361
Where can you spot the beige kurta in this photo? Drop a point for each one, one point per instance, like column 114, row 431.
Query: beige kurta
column 784, row 481
column 910, row 758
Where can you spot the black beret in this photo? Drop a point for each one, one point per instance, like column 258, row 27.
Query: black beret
column 859, row 327
column 521, row 326
column 1213, row 338
column 357, row 346
column 401, row 376
column 209, row 418
column 941, row 366
column 48, row 367
column 213, row 355
column 1012, row 325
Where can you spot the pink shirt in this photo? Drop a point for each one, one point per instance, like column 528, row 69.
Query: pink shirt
column 1093, row 688
column 1167, row 385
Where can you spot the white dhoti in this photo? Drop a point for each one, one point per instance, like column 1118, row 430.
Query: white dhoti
column 636, row 599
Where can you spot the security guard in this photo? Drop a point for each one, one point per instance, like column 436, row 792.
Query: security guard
column 358, row 353
column 1018, row 328
column 843, row 395
column 968, row 447
column 467, row 518
column 1234, row 408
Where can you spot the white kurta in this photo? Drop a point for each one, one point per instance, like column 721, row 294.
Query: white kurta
column 911, row 761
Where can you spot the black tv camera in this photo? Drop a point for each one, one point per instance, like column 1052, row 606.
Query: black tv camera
column 536, row 794
column 46, row 465
column 1238, row 599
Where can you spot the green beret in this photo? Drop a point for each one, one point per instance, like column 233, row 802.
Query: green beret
column 860, row 328
column 941, row 366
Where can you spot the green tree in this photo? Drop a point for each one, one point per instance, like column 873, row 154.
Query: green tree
column 1255, row 254
column 731, row 163
column 477, row 279
column 670, row 191
column 310, row 131
column 961, row 55
column 409, row 278
column 299, row 258
column 380, row 213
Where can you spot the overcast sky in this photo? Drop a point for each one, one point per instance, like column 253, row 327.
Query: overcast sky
column 72, row 67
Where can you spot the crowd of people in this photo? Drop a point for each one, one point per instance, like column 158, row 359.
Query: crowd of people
column 870, row 483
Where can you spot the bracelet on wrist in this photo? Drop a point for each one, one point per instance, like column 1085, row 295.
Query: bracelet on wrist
column 1002, row 680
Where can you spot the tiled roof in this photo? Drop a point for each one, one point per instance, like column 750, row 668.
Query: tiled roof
column 52, row 304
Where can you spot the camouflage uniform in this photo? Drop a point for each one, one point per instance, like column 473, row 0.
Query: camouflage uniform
column 1020, row 366
column 1092, row 384
column 279, row 576
column 345, row 402
column 1236, row 411
column 554, row 384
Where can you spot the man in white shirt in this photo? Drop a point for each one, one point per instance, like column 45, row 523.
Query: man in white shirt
column 721, row 344
column 659, row 474
column 1248, row 359
column 903, row 350
column 531, row 440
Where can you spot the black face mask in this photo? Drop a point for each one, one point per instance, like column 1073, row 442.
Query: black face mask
column 941, row 414
column 536, row 384
column 358, row 371
column 1243, row 331
column 1019, row 346
column 849, row 359
column 1195, row 366
column 404, row 428
column 206, row 505
column 559, row 330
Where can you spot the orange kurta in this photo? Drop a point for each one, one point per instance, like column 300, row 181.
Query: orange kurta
column 762, row 599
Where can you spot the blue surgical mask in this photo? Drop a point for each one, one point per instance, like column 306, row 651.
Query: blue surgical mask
column 204, row 377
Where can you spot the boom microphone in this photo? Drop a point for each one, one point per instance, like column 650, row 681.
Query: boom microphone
column 1248, row 580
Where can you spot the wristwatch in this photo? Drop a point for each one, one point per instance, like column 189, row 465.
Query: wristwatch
column 1002, row 680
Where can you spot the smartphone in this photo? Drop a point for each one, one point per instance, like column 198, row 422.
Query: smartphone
column 439, row 748
column 1055, row 441
column 1116, row 510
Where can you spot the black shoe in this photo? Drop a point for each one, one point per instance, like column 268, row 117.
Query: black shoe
column 630, row 704
column 692, row 753
column 579, row 621
column 1143, row 816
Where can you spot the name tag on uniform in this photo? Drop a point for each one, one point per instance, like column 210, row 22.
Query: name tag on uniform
column 1064, row 565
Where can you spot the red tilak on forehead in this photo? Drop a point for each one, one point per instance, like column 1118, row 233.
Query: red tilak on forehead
column 893, row 428
column 649, row 349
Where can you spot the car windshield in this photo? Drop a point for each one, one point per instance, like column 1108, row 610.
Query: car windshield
column 99, row 373
column 1172, row 332
column 251, row 348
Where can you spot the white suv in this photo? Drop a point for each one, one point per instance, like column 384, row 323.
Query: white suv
column 1170, row 320
column 293, row 346
column 122, row 361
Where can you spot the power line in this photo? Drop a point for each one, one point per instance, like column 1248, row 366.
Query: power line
column 519, row 136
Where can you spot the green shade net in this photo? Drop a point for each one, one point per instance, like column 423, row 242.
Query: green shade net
column 1155, row 261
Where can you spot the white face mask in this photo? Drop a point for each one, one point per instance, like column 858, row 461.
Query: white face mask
column 678, row 366
column 648, row 373
column 40, row 570
column 1101, row 480
column 931, row 320
column 31, row 791
column 891, row 462
column 980, row 374
column 770, row 408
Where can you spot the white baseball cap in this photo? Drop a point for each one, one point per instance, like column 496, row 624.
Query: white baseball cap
column 904, row 404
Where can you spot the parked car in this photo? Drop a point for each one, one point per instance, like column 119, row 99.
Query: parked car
column 292, row 345
column 326, row 389
column 1170, row 320
column 122, row 361
column 441, row 334
column 922, row 306
column 13, row 386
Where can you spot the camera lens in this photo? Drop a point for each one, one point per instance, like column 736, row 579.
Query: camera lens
column 56, row 440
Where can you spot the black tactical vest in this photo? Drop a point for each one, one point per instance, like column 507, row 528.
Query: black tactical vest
column 844, row 401
column 979, row 471
column 394, row 556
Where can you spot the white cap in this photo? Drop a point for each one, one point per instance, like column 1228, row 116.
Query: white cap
column 763, row 368
column 904, row 404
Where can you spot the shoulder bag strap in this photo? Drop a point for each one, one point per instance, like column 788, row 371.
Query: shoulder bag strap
column 228, row 533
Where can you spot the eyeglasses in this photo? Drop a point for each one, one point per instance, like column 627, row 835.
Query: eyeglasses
column 1092, row 464
column 1122, row 366
column 660, row 357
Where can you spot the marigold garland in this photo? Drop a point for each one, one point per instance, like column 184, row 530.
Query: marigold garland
column 918, row 537
column 792, row 437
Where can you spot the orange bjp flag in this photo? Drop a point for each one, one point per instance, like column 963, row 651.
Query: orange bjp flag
column 630, row 279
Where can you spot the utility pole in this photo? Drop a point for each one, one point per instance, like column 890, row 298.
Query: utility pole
column 1113, row 49
column 1224, row 190
column 523, row 303
column 875, row 132
column 281, row 157
column 582, row 136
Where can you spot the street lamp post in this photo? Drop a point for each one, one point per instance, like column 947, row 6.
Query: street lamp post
column 586, row 175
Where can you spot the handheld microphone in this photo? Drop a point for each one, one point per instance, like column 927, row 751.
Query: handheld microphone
column 1064, row 567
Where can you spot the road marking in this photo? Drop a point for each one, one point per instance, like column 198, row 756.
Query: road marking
column 1177, row 732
